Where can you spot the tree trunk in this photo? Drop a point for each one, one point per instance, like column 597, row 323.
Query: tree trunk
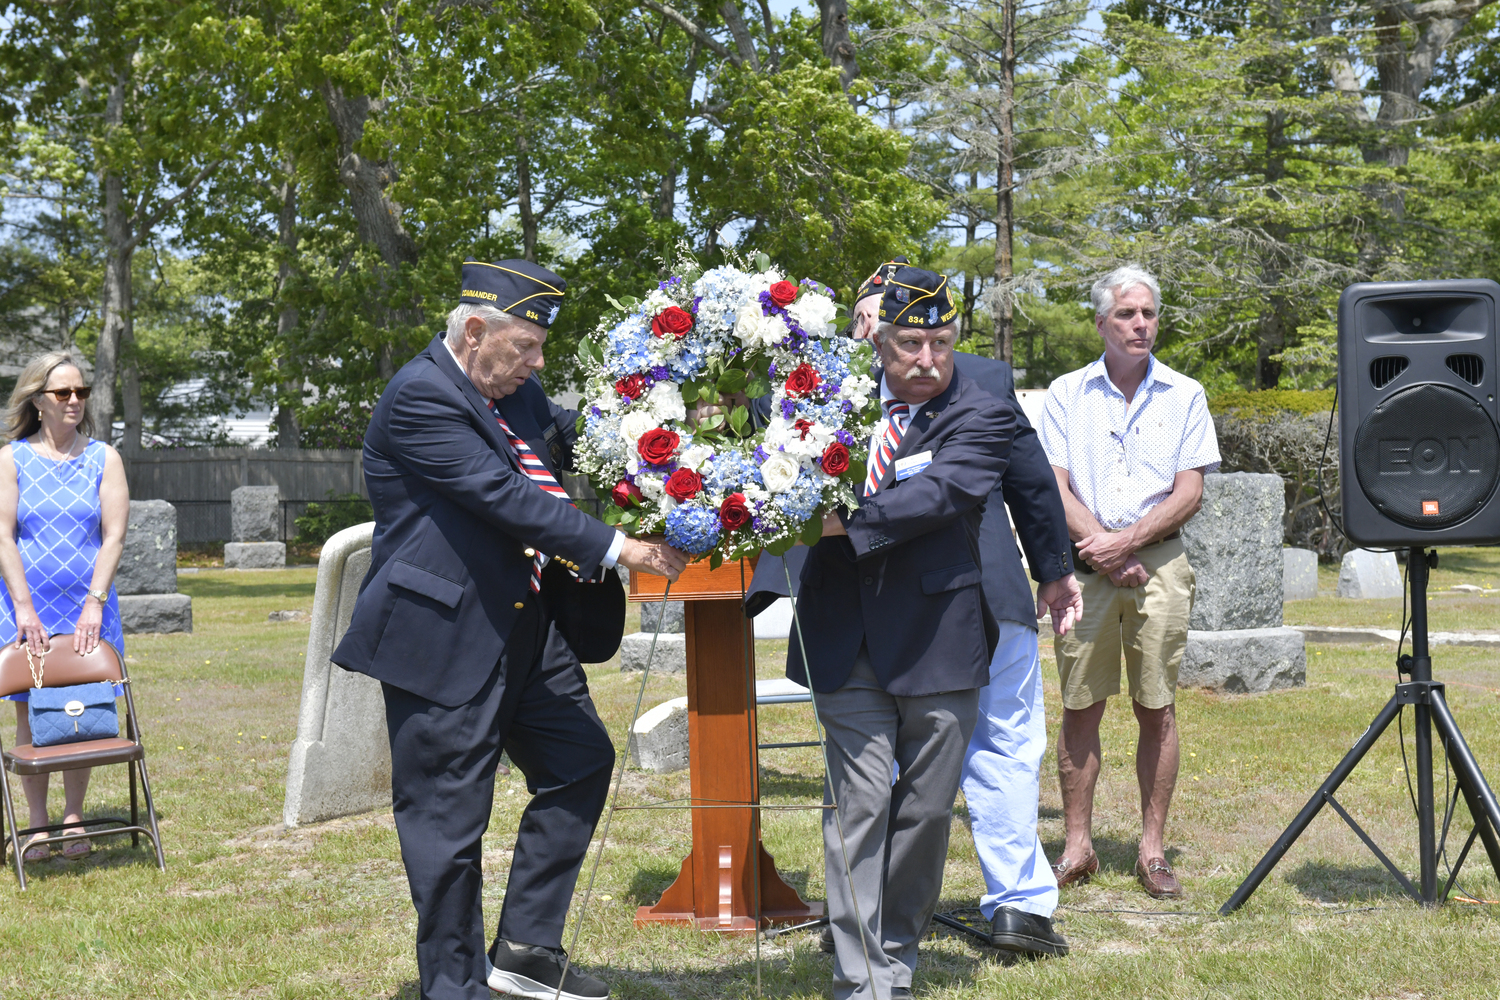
column 838, row 46
column 971, row 231
column 1005, row 327
column 115, row 307
column 523, row 199
column 288, row 434
column 379, row 217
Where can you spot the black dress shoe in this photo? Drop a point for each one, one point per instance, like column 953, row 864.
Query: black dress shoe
column 535, row 972
column 825, row 940
column 900, row 993
column 1025, row 933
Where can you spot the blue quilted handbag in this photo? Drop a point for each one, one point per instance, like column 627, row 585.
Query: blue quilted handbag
column 73, row 714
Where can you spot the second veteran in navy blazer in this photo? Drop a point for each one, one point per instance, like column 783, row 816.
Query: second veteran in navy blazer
column 454, row 618
column 899, row 637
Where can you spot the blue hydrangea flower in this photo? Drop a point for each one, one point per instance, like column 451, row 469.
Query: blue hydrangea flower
column 694, row 530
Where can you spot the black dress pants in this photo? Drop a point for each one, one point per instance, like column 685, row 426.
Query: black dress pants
column 536, row 707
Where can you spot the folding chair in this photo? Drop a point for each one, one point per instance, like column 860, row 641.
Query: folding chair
column 104, row 664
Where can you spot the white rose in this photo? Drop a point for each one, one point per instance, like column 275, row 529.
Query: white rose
column 665, row 400
column 814, row 312
column 694, row 457
column 635, row 423
column 779, row 471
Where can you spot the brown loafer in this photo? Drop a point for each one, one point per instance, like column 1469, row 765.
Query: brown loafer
column 1158, row 879
column 1068, row 872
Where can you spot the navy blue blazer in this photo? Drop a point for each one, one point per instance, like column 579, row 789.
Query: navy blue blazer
column 454, row 515
column 1028, row 487
column 906, row 580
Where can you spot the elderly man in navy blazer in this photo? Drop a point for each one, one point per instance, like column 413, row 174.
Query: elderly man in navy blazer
column 899, row 637
column 454, row 619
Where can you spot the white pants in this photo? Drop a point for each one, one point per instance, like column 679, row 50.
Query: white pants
column 1002, row 778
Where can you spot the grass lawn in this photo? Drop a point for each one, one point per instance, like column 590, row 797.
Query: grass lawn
column 1447, row 611
column 246, row 909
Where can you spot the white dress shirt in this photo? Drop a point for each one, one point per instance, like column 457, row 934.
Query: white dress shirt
column 1122, row 457
column 612, row 556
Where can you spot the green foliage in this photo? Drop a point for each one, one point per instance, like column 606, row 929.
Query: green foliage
column 324, row 520
column 1270, row 402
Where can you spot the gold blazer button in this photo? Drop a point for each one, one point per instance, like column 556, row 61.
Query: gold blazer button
column 530, row 553
column 520, row 605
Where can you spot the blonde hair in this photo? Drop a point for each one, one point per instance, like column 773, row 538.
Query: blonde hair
column 22, row 419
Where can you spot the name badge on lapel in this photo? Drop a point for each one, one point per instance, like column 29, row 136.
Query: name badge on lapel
column 912, row 464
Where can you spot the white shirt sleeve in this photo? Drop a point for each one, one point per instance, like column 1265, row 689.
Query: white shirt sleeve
column 1053, row 430
column 1200, row 442
column 613, row 555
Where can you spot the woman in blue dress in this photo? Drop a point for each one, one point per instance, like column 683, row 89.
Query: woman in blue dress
column 64, row 505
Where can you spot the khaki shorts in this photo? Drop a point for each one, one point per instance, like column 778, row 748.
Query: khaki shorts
column 1150, row 625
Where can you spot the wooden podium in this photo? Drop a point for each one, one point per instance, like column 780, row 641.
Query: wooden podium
column 716, row 889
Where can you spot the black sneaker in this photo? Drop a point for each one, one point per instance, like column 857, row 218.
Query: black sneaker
column 1025, row 933
column 525, row 970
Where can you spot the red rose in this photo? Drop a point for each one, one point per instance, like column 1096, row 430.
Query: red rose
column 783, row 293
column 631, row 386
column 836, row 459
column 803, row 426
column 684, row 484
column 673, row 320
column 803, row 380
column 626, row 494
column 657, row 445
column 733, row 512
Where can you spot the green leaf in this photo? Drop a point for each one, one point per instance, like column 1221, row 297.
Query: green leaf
column 716, row 559
column 762, row 263
column 856, row 473
column 691, row 390
column 781, row 546
column 758, row 387
column 738, row 418
column 616, row 302
column 612, row 514
column 813, row 529
column 733, row 380
column 578, row 424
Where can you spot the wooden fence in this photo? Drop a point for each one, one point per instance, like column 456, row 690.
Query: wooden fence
column 200, row 480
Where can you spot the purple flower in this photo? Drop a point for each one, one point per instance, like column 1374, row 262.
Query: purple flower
column 696, row 299
column 759, row 454
column 761, row 526
column 848, row 406
column 596, row 411
column 843, row 437
column 772, row 372
column 789, row 407
column 661, row 374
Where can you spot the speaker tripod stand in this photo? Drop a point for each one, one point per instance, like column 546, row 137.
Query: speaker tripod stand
column 1431, row 708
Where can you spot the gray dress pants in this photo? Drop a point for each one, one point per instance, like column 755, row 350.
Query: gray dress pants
column 896, row 834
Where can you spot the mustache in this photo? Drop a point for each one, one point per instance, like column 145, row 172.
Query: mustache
column 919, row 371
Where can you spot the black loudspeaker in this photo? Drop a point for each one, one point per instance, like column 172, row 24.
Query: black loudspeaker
column 1419, row 452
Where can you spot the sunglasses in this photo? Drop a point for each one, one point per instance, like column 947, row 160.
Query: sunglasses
column 63, row 395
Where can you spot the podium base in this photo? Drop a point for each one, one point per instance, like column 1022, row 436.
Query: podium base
column 737, row 926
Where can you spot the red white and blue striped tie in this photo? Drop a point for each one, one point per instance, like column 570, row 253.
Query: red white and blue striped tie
column 537, row 473
column 880, row 458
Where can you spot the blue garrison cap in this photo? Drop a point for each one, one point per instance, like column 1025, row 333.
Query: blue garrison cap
column 875, row 283
column 915, row 297
column 518, row 287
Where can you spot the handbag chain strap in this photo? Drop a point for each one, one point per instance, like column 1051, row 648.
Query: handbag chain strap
column 36, row 665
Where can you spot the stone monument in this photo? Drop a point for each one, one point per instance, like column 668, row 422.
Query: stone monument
column 255, row 529
column 146, row 581
column 1299, row 576
column 341, row 761
column 1365, row 575
column 1236, row 640
column 671, row 645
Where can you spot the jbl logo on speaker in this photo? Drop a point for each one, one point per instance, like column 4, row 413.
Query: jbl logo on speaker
column 1429, row 508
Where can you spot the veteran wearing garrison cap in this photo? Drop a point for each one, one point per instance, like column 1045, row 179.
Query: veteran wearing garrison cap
column 899, row 636
column 478, row 595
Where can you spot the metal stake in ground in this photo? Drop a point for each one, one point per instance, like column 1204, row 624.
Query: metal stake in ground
column 1431, row 708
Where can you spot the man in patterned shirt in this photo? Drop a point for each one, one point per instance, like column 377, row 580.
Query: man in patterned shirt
column 1129, row 440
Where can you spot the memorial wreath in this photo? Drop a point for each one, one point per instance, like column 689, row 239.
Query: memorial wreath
column 728, row 485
